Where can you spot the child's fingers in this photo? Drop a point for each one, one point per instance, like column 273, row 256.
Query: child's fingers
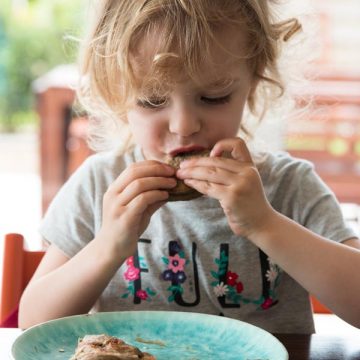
column 213, row 190
column 140, row 170
column 136, row 215
column 235, row 146
column 212, row 174
column 143, row 185
column 147, row 201
column 157, row 205
column 223, row 184
column 212, row 163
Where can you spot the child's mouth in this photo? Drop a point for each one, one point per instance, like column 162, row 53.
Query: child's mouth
column 186, row 151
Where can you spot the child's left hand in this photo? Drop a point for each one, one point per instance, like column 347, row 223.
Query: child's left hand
column 234, row 181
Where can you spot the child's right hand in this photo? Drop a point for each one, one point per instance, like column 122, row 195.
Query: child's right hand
column 130, row 201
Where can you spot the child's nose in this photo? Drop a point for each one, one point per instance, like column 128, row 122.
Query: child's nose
column 184, row 121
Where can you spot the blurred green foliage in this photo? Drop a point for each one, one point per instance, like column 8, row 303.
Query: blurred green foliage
column 35, row 36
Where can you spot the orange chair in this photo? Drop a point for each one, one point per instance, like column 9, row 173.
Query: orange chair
column 19, row 266
column 318, row 307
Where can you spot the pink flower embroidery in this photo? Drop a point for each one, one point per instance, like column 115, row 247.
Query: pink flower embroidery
column 231, row 278
column 132, row 273
column 176, row 263
column 267, row 303
column 142, row 294
column 130, row 261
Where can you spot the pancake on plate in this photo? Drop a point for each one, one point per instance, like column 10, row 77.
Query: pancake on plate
column 104, row 347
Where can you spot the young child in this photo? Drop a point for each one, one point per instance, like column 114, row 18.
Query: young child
column 265, row 233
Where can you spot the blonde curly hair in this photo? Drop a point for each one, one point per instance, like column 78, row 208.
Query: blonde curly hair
column 187, row 30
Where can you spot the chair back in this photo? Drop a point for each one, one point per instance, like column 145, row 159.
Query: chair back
column 19, row 266
column 318, row 307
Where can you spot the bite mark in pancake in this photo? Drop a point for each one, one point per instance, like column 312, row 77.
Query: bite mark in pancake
column 181, row 191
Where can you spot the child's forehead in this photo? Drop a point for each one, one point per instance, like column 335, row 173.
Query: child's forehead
column 228, row 43
column 225, row 60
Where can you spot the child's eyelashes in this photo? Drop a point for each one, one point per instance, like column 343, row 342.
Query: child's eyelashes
column 216, row 100
column 153, row 103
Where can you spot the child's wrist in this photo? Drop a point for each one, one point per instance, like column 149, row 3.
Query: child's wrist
column 267, row 228
column 113, row 251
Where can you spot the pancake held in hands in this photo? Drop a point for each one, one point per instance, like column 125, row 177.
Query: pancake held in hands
column 181, row 191
column 104, row 347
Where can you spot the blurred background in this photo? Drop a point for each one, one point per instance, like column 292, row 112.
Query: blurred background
column 42, row 139
column 37, row 49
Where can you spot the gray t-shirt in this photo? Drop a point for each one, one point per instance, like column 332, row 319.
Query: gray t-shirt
column 188, row 259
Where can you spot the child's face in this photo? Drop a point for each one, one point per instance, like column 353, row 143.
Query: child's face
column 194, row 117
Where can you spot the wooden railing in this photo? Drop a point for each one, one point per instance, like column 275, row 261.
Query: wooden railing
column 329, row 135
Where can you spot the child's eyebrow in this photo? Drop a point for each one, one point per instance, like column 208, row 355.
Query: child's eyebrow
column 220, row 84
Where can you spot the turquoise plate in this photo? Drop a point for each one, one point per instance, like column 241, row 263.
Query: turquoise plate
column 168, row 335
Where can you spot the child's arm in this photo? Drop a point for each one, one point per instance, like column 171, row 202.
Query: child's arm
column 326, row 269
column 63, row 286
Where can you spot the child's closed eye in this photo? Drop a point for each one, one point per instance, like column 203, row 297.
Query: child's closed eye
column 216, row 100
column 151, row 103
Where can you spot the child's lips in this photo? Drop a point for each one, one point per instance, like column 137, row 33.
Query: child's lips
column 186, row 149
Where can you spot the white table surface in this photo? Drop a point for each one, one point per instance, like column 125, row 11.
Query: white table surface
column 7, row 338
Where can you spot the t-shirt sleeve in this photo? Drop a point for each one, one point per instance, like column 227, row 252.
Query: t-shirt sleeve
column 322, row 212
column 310, row 202
column 69, row 220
